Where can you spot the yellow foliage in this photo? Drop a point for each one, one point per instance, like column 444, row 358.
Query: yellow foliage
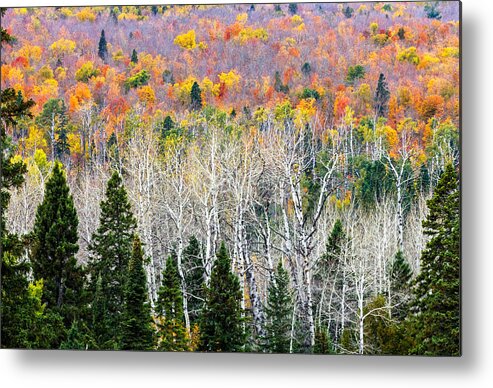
column 249, row 33
column 118, row 56
column 186, row 41
column 242, row 18
column 203, row 45
column 373, row 28
column 127, row 16
column 81, row 95
column 74, row 143
column 230, row 79
column 35, row 139
column 66, row 12
column 63, row 46
column 449, row 52
column 61, row 73
column 305, row 110
column 184, row 88
column 146, row 94
column 408, row 55
column 296, row 20
column 85, row 14
column 20, row 11
column 15, row 75
column 30, row 52
column 427, row 60
column 41, row 160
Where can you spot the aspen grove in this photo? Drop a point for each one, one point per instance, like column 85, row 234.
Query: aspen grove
column 279, row 178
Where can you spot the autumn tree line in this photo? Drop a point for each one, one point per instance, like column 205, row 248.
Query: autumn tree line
column 266, row 231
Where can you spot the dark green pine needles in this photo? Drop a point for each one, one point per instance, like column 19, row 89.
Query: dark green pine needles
column 436, row 323
column 279, row 311
column 137, row 330
column 55, row 245
column 110, row 250
column 172, row 332
column 222, row 320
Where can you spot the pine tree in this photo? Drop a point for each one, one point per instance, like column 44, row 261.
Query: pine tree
column 279, row 312
column 54, row 248
column 323, row 343
column 111, row 250
column 293, row 8
column 54, row 120
column 222, row 321
column 196, row 97
column 382, row 96
column 137, row 331
column 134, row 58
column 194, row 279
column 170, row 310
column 400, row 278
column 103, row 47
column 435, row 324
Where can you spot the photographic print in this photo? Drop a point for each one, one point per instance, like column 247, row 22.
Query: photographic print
column 263, row 178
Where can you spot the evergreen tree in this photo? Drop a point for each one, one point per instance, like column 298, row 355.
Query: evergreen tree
column 170, row 310
column 435, row 324
column 323, row 343
column 103, row 47
column 137, row 331
column 382, row 96
column 154, row 10
column 293, row 8
column 54, row 120
column 222, row 321
column 196, row 97
column 194, row 278
column 134, row 58
column 54, row 248
column 306, row 69
column 279, row 312
column 110, row 250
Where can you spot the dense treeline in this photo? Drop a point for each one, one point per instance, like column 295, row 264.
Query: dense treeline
column 303, row 222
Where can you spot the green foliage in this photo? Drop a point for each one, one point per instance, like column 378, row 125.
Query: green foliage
column 54, row 120
column 54, row 248
column 102, row 47
column 171, row 325
column 278, row 85
column 401, row 33
column 222, row 322
column 137, row 330
column 435, row 324
column 134, row 58
column 195, row 97
column 110, row 252
column 279, row 310
column 194, row 278
column 86, row 72
column 375, row 183
column 78, row 337
column 382, row 97
column 431, row 11
column 310, row 93
column 306, row 69
column 378, row 329
column 354, row 73
column 348, row 12
column 139, row 79
column 323, row 343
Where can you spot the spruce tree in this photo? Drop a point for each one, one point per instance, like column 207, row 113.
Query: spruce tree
column 435, row 324
column 222, row 321
column 102, row 47
column 134, row 58
column 194, row 278
column 196, row 97
column 172, row 332
column 400, row 278
column 382, row 96
column 323, row 343
column 54, row 248
column 279, row 310
column 137, row 330
column 110, row 252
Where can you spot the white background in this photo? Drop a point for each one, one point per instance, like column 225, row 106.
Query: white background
column 473, row 369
